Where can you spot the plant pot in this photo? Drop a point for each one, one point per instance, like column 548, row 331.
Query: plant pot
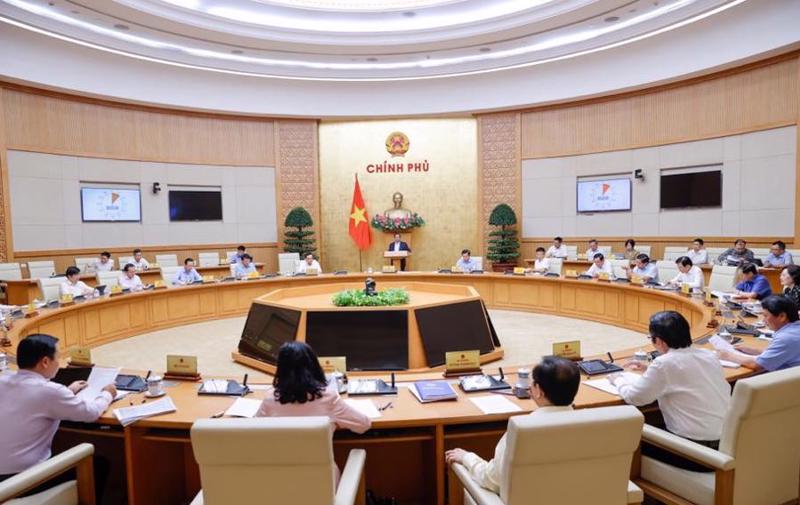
column 502, row 267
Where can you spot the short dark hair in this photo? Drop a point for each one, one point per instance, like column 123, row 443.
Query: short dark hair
column 684, row 261
column 743, row 241
column 309, row 254
column 33, row 348
column 780, row 243
column 558, row 378
column 72, row 271
column 749, row 268
column 643, row 258
column 128, row 266
column 592, row 240
column 299, row 377
column 598, row 256
column 106, row 254
column 777, row 305
column 241, row 248
column 631, row 242
column 794, row 273
column 137, row 250
column 699, row 240
column 558, row 239
column 245, row 255
column 187, row 260
column 540, row 249
column 466, row 251
column 672, row 328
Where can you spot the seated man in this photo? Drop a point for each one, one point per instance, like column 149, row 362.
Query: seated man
column 778, row 257
column 187, row 275
column 698, row 253
column 129, row 279
column 398, row 245
column 644, row 268
column 687, row 382
column 541, row 264
column 688, row 273
column 139, row 263
column 780, row 314
column 34, row 406
column 72, row 285
column 753, row 284
column 466, row 264
column 308, row 262
column 244, row 268
column 555, row 384
column 600, row 265
column 736, row 255
column 104, row 264
column 593, row 249
column 240, row 252
column 558, row 249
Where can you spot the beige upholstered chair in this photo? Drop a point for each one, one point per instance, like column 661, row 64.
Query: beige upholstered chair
column 124, row 260
column 758, row 461
column 565, row 458
column 617, row 266
column 230, row 254
column 671, row 253
column 168, row 274
column 287, row 263
column 556, row 265
column 109, row 279
column 572, row 252
column 49, row 287
column 606, row 250
column 760, row 253
column 86, row 265
column 644, row 249
column 714, row 252
column 723, row 278
column 80, row 492
column 276, row 460
column 167, row 260
column 39, row 269
column 479, row 261
column 667, row 270
column 10, row 272
column 208, row 259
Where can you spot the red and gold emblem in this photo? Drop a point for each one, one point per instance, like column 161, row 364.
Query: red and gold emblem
column 397, row 144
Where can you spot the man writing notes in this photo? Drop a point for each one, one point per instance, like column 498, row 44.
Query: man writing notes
column 753, row 285
column 778, row 256
column 600, row 265
column 129, row 280
column 246, row 267
column 465, row 263
column 34, row 406
column 73, row 285
column 186, row 275
column 688, row 273
column 308, row 263
column 555, row 384
column 104, row 264
column 558, row 249
column 736, row 255
column 398, row 245
column 644, row 268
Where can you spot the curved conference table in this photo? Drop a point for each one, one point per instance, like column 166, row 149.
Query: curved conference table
column 152, row 461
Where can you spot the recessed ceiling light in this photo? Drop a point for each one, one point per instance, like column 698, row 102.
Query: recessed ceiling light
column 485, row 49
column 372, row 59
column 409, row 14
column 120, row 26
column 237, row 51
column 611, row 19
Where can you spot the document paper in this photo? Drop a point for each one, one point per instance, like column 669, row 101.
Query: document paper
column 495, row 404
column 129, row 415
column 99, row 378
column 243, row 407
column 366, row 407
column 605, row 385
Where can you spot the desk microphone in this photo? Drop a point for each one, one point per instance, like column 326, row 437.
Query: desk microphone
column 610, row 357
column 392, row 380
column 244, row 384
column 148, row 375
column 502, row 375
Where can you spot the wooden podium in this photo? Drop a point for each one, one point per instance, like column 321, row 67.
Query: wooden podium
column 393, row 256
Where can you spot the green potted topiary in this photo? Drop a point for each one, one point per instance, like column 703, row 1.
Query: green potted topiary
column 503, row 246
column 297, row 239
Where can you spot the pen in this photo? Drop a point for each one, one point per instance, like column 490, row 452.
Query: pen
column 388, row 405
column 218, row 414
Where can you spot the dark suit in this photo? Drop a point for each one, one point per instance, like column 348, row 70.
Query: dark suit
column 403, row 247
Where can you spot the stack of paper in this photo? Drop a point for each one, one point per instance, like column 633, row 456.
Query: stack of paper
column 129, row 415
column 366, row 407
column 494, row 404
column 215, row 386
column 243, row 407
column 605, row 385
column 721, row 344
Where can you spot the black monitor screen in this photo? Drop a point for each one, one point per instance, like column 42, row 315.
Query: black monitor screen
column 266, row 329
column 454, row 327
column 695, row 189
column 195, row 205
column 371, row 340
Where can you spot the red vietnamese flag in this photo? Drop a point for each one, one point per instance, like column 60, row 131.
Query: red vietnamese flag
column 359, row 223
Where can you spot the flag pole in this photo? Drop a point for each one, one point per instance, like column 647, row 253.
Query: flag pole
column 360, row 266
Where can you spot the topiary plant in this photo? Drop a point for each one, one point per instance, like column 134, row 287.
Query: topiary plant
column 299, row 239
column 503, row 246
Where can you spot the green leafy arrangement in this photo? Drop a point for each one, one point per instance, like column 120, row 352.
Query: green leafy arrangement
column 503, row 246
column 298, row 236
column 357, row 298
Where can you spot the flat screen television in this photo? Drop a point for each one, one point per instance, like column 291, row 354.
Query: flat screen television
column 454, row 327
column 266, row 329
column 373, row 340
column 604, row 195
column 691, row 190
column 100, row 205
column 192, row 205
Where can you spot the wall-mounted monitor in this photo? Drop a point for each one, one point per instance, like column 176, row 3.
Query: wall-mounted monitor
column 110, row 205
column 195, row 205
column 691, row 188
column 604, row 195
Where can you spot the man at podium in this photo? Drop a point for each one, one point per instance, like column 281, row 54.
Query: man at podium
column 397, row 246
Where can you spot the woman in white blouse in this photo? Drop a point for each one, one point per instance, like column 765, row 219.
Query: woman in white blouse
column 688, row 273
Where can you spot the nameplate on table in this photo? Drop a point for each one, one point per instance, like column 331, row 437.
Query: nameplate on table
column 519, row 271
column 252, row 275
column 569, row 349
column 208, row 278
column 312, row 271
column 80, row 355
column 66, row 299
column 389, row 269
column 332, row 364
column 685, row 289
column 116, row 289
column 182, row 365
column 637, row 279
column 159, row 284
column 603, row 276
column 459, row 362
column 571, row 274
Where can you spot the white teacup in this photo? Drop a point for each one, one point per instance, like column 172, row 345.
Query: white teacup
column 155, row 386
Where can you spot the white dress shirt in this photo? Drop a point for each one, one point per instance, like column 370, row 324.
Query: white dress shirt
column 698, row 257
column 691, row 390
column 134, row 283
column 78, row 289
column 99, row 266
column 694, row 278
column 487, row 473
column 542, row 265
column 304, row 266
column 239, row 270
column 595, row 270
column 557, row 252
column 33, row 408
column 142, row 264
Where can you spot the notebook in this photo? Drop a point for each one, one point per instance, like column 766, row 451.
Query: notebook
column 433, row 391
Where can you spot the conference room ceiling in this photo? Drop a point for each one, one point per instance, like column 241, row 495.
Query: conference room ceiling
column 355, row 39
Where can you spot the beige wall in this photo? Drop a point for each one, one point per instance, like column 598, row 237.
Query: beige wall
column 445, row 196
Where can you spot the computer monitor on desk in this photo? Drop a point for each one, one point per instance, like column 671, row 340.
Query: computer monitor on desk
column 266, row 329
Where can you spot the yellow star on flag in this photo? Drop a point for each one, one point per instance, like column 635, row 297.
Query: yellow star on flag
column 358, row 215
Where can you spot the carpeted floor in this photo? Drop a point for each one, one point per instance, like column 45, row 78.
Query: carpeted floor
column 525, row 337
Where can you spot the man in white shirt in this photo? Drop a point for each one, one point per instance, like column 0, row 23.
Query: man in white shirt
column 555, row 384
column 698, row 253
column 244, row 268
column 541, row 264
column 688, row 273
column 687, row 382
column 129, row 279
column 104, row 264
column 593, row 249
column 72, row 285
column 600, row 265
column 465, row 263
column 34, row 406
column 308, row 262
column 558, row 249
column 139, row 263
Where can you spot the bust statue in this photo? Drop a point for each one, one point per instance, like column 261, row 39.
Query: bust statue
column 397, row 211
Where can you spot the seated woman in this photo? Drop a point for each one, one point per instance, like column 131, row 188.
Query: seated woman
column 300, row 389
column 790, row 280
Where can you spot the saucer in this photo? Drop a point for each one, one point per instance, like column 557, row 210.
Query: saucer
column 148, row 395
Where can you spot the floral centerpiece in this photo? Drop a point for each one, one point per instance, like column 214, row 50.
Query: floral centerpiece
column 357, row 298
column 387, row 224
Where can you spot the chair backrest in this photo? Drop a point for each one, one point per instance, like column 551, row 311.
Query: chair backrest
column 556, row 265
column 617, row 267
column 265, row 461
column 124, row 260
column 572, row 252
column 48, row 287
column 287, row 262
column 605, row 249
column 667, row 270
column 230, row 254
column 714, row 252
column 547, row 453
column 168, row 274
column 10, row 272
column 167, row 260
column 762, row 420
column 795, row 254
column 39, row 269
column 85, row 264
column 478, row 260
column 673, row 253
column 760, row 253
column 110, row 279
column 208, row 259
column 723, row 278
column 644, row 249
